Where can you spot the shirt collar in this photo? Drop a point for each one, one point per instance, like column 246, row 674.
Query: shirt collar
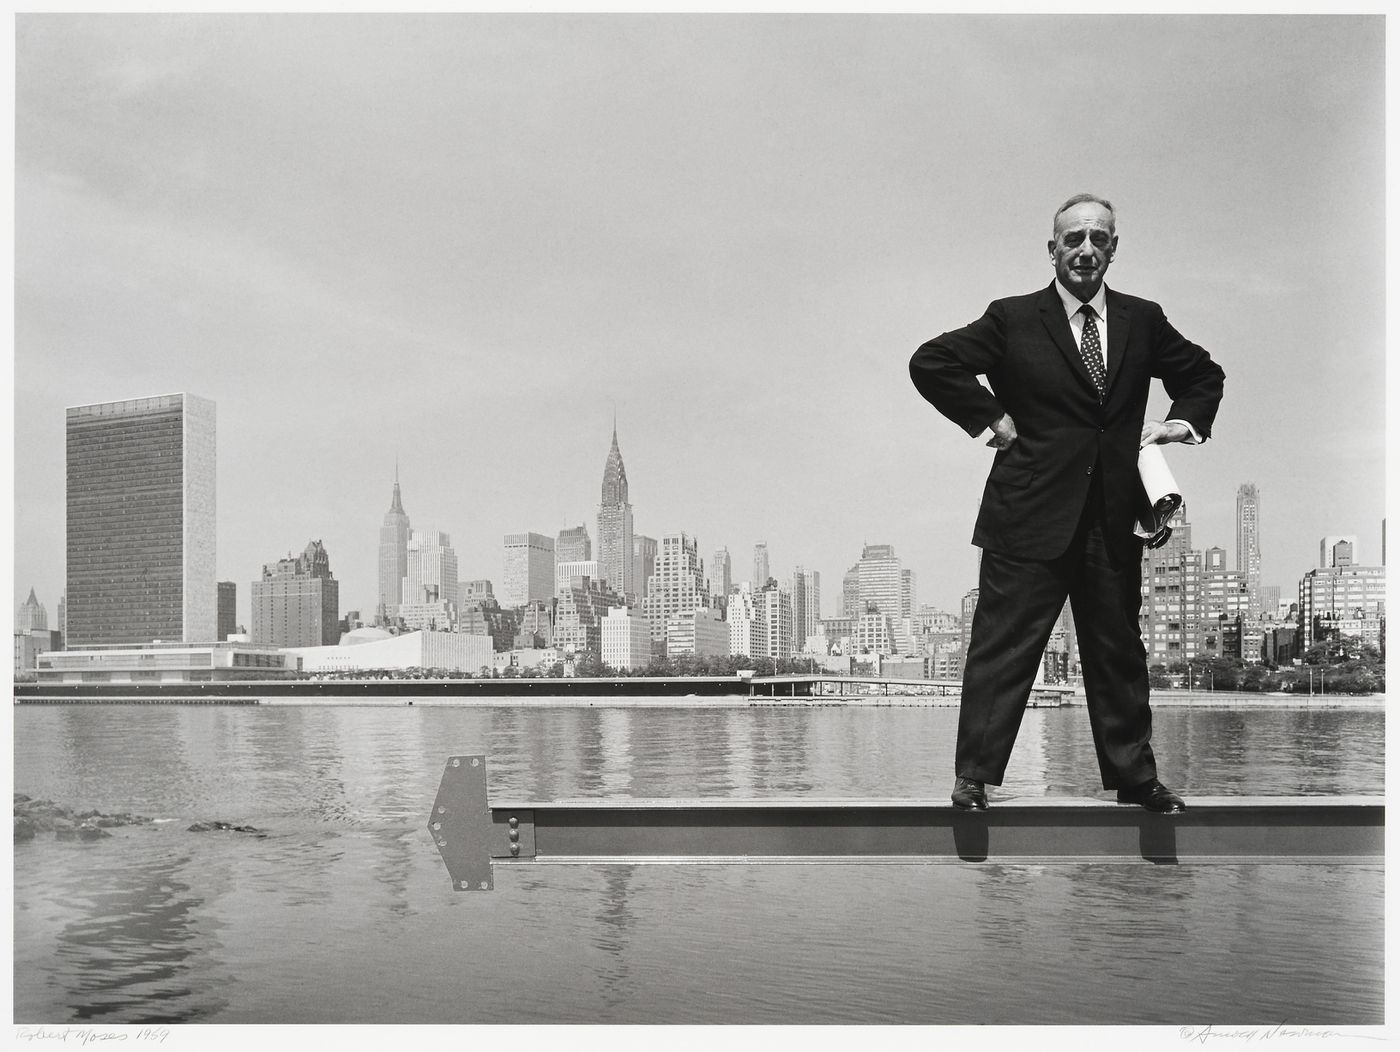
column 1072, row 303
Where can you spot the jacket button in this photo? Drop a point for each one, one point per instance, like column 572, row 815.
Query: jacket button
column 1088, row 471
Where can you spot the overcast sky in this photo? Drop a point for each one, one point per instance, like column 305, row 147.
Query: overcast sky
column 462, row 241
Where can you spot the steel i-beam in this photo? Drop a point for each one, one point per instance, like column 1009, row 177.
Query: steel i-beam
column 474, row 833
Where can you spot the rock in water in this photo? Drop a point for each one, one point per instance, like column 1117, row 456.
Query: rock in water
column 44, row 816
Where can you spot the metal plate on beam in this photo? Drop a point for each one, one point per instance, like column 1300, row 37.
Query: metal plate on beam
column 461, row 825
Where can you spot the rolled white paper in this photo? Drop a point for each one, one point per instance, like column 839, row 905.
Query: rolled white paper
column 1163, row 496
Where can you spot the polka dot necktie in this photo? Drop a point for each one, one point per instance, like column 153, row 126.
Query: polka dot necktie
column 1090, row 350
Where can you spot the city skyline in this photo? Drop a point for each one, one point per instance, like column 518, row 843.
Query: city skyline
column 831, row 606
column 738, row 245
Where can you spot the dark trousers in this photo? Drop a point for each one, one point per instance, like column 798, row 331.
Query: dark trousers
column 1017, row 606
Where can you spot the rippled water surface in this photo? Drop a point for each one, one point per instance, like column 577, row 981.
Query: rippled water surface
column 344, row 912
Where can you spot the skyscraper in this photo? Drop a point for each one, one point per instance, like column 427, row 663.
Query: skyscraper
column 806, row 606
column 1247, row 541
column 747, row 632
column 393, row 556
column 141, row 518
column 721, row 575
column 297, row 601
column 579, row 614
column 760, row 565
column 643, row 562
column 775, row 613
column 573, row 545
column 678, row 584
column 529, row 567
column 615, row 525
column 1337, row 550
column 31, row 615
column 431, row 573
column 228, row 610
column 850, row 593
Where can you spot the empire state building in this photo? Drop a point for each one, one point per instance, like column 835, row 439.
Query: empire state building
column 393, row 556
column 615, row 526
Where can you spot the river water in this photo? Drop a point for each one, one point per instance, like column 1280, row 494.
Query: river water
column 343, row 912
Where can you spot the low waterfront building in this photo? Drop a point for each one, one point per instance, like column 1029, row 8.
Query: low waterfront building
column 167, row 663
column 370, row 650
column 528, row 662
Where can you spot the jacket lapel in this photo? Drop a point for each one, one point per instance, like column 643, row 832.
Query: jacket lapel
column 1119, row 318
column 1052, row 313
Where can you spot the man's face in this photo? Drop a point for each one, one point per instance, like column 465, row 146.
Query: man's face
column 1083, row 248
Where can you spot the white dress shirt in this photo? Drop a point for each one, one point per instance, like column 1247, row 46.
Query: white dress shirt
column 1073, row 306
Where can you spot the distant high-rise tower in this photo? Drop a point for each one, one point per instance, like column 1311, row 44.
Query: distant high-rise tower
column 1247, row 541
column 431, row 574
column 678, row 585
column 228, row 609
column 1337, row 550
column 297, row 601
column 643, row 562
column 528, row 570
column 393, row 556
column 850, row 593
column 573, row 545
column 141, row 516
column 31, row 615
column 885, row 587
column 806, row 606
column 615, row 526
column 721, row 574
column 760, row 565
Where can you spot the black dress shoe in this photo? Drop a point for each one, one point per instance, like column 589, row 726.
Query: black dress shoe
column 1154, row 796
column 970, row 794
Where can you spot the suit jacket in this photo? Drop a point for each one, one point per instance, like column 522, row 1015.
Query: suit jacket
column 1036, row 490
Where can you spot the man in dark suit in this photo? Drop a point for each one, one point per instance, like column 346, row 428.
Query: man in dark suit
column 1069, row 369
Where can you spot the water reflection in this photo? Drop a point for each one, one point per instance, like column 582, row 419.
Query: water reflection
column 141, row 945
column 612, row 933
column 344, row 910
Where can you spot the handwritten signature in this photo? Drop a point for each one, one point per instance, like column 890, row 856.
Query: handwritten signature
column 86, row 1035
column 1201, row 1034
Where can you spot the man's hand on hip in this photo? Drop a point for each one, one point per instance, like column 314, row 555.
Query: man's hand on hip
column 1155, row 432
column 1004, row 432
